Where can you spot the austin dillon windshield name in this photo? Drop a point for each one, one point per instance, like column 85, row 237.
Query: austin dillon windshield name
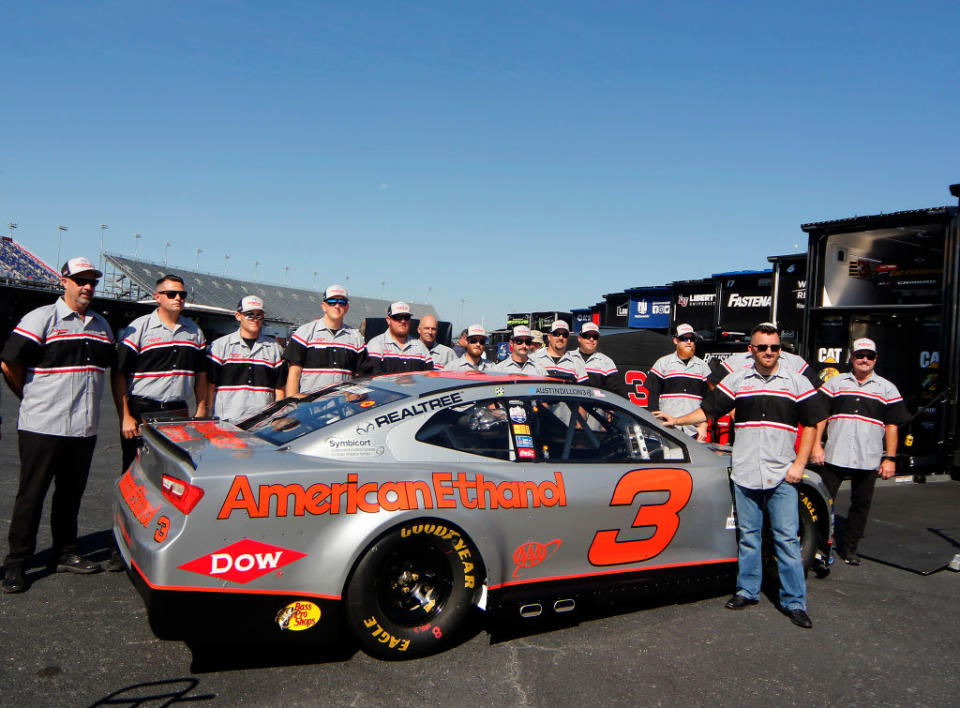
column 445, row 490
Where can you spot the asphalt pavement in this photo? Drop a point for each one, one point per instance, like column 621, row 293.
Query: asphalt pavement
column 881, row 636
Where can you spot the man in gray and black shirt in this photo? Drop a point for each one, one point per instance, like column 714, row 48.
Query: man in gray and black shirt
column 56, row 361
column 519, row 361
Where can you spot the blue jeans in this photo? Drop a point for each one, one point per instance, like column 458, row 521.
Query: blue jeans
column 781, row 505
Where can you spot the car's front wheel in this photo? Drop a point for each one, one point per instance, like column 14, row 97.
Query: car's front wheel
column 413, row 589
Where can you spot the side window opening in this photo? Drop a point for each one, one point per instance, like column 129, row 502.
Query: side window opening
column 478, row 428
column 586, row 430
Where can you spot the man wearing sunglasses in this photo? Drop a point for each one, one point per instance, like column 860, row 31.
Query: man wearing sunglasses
column 441, row 355
column 771, row 401
column 677, row 382
column 556, row 360
column 601, row 370
column 245, row 369
column 161, row 360
column 521, row 342
column 744, row 360
column 325, row 351
column 865, row 410
column 395, row 351
column 55, row 362
column 472, row 359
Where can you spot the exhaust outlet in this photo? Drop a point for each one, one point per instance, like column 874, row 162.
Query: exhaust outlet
column 532, row 610
column 567, row 605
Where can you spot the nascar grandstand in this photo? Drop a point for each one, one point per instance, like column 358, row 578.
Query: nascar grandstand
column 126, row 292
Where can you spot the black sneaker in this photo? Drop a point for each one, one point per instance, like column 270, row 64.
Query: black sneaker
column 849, row 557
column 72, row 563
column 14, row 579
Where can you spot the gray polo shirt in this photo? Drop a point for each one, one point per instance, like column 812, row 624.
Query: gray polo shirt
column 326, row 356
column 65, row 356
column 859, row 414
column 770, row 410
column 677, row 386
column 160, row 362
column 246, row 378
column 511, row 366
column 388, row 357
column 567, row 367
column 464, row 364
column 441, row 355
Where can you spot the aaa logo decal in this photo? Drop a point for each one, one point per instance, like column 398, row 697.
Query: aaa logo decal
column 533, row 553
column 243, row 561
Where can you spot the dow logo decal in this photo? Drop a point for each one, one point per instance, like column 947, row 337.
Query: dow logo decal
column 243, row 561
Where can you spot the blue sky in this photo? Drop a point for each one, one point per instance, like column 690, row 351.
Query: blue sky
column 523, row 156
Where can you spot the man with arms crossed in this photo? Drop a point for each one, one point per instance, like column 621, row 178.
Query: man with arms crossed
column 865, row 410
column 770, row 403
column 55, row 361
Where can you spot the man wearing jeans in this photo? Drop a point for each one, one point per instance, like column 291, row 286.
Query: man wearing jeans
column 770, row 402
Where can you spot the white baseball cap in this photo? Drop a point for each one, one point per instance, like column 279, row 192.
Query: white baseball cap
column 476, row 330
column 589, row 327
column 683, row 329
column 559, row 324
column 398, row 308
column 864, row 345
column 521, row 331
column 250, row 303
column 79, row 265
column 335, row 291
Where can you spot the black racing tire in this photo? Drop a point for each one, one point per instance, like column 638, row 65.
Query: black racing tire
column 809, row 540
column 412, row 591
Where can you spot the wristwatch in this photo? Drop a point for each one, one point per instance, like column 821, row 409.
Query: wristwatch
column 892, row 458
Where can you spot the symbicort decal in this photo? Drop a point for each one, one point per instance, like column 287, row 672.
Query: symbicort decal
column 243, row 561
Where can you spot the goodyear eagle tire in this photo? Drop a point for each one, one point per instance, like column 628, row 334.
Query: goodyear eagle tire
column 413, row 590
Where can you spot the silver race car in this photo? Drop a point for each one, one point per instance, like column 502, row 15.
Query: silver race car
column 393, row 506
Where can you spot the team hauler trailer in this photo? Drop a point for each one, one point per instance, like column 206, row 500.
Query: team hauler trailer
column 894, row 278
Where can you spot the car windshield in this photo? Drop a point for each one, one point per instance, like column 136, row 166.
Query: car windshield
column 294, row 418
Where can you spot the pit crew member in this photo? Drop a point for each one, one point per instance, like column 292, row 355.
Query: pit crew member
column 519, row 362
column 324, row 351
column 677, row 382
column 472, row 359
column 770, row 402
column 865, row 410
column 245, row 369
column 441, row 355
column 395, row 351
column 556, row 360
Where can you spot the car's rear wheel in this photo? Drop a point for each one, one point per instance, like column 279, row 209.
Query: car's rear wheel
column 413, row 589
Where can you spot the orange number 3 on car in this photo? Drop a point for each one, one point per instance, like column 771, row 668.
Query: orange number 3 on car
column 163, row 525
column 607, row 550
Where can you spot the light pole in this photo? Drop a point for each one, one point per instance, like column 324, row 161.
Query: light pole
column 383, row 288
column 226, row 258
column 103, row 227
column 199, row 251
column 13, row 226
column 462, row 300
column 286, row 272
column 256, row 264
column 314, row 280
column 136, row 248
column 60, row 230
column 165, row 247
column 429, row 291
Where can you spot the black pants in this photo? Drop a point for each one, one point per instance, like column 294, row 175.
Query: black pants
column 139, row 406
column 45, row 459
column 861, row 494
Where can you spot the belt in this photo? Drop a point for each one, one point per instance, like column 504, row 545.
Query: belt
column 144, row 405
